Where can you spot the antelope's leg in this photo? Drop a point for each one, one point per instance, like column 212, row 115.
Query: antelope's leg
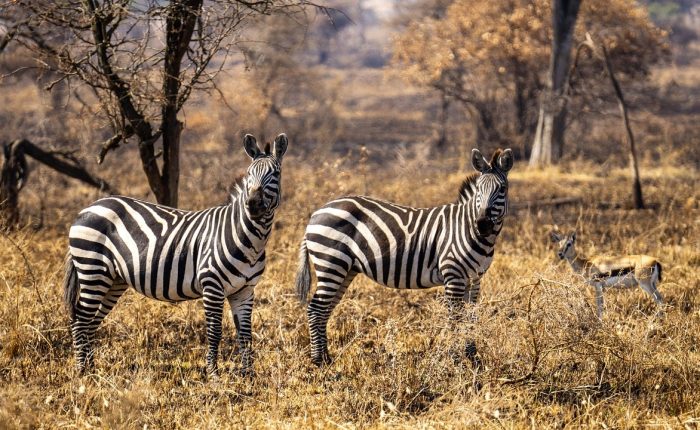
column 599, row 298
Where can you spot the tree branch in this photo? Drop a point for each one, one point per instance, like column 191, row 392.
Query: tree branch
column 71, row 169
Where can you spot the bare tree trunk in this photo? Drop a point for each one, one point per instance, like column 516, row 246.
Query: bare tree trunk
column 12, row 177
column 548, row 145
column 180, row 24
column 181, row 20
column 442, row 122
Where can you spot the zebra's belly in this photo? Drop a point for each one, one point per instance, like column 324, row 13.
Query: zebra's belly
column 427, row 278
column 170, row 286
column 170, row 275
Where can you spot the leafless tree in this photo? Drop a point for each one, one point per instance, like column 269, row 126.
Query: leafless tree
column 600, row 52
column 139, row 62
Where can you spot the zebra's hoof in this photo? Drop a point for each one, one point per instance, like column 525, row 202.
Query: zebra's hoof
column 213, row 375
column 477, row 385
column 323, row 360
column 84, row 368
column 247, row 372
column 471, row 353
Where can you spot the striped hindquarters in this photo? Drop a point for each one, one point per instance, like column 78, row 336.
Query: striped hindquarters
column 154, row 249
column 393, row 245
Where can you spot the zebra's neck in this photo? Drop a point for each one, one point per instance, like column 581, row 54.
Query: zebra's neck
column 470, row 215
column 468, row 189
column 247, row 234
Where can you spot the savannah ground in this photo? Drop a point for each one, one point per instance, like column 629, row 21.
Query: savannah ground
column 548, row 361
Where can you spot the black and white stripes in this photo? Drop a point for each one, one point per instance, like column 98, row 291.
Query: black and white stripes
column 168, row 254
column 403, row 247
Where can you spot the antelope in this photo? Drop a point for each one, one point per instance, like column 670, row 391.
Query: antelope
column 626, row 271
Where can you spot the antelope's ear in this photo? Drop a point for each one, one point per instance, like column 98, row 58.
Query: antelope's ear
column 572, row 235
column 478, row 161
column 505, row 161
column 279, row 147
column 251, row 146
column 554, row 236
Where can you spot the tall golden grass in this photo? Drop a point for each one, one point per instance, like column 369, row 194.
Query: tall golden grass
column 548, row 361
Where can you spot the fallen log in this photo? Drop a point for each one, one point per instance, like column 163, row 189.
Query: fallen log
column 14, row 174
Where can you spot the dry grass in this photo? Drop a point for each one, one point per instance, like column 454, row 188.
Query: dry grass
column 549, row 362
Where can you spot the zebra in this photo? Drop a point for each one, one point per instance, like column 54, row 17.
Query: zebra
column 175, row 255
column 625, row 271
column 404, row 247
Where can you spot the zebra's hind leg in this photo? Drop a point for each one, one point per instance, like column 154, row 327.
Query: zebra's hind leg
column 108, row 302
column 241, row 304
column 328, row 293
column 85, row 321
column 213, row 298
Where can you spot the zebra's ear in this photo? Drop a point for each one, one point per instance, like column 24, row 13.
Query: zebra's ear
column 478, row 161
column 554, row 236
column 505, row 161
column 251, row 146
column 279, row 147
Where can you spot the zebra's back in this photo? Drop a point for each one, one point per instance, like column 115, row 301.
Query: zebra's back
column 392, row 244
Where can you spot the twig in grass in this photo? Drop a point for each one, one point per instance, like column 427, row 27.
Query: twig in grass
column 535, row 345
column 26, row 262
column 31, row 273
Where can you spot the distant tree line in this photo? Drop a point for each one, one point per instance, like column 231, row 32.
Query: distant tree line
column 509, row 63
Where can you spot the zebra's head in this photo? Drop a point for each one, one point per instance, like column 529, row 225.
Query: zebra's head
column 491, row 189
column 262, row 184
column 566, row 244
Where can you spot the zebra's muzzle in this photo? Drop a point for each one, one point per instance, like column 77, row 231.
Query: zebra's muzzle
column 256, row 207
column 485, row 226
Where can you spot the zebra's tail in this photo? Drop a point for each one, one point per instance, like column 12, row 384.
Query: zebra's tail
column 71, row 291
column 303, row 281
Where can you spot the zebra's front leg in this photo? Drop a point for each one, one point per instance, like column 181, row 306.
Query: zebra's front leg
column 472, row 297
column 241, row 304
column 213, row 298
column 455, row 293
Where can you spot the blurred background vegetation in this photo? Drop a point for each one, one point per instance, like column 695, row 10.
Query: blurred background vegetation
column 426, row 79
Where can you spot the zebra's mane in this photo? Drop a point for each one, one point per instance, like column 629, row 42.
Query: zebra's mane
column 467, row 187
column 495, row 156
column 235, row 189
